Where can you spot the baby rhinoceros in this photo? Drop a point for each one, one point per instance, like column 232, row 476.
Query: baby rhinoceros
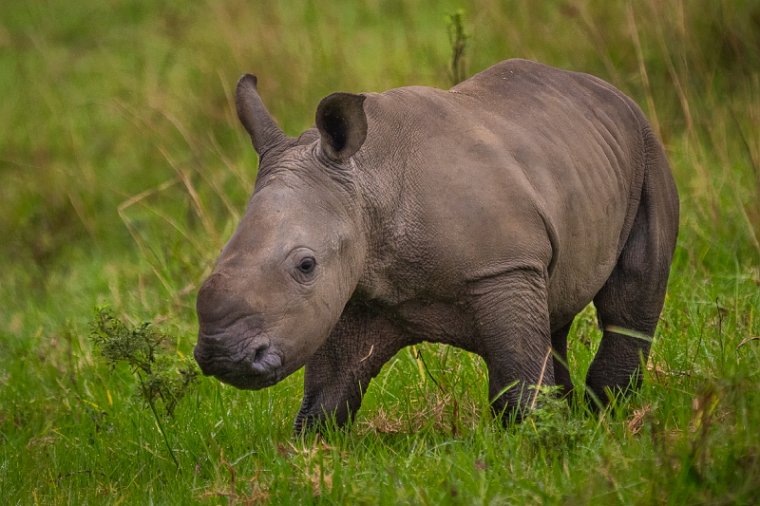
column 484, row 217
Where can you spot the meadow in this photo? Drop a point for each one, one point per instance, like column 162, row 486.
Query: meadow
column 123, row 170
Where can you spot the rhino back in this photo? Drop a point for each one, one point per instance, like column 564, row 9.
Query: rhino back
column 521, row 166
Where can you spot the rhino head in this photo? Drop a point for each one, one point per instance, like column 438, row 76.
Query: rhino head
column 283, row 279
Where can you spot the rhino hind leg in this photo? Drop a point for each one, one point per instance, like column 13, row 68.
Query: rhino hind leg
column 630, row 302
column 559, row 358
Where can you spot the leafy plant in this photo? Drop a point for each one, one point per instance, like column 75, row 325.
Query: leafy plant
column 164, row 379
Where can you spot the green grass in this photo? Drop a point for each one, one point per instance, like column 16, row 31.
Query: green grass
column 123, row 170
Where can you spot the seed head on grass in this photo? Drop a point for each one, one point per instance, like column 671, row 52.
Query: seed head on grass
column 458, row 41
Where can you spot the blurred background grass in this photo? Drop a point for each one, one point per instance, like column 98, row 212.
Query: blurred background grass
column 120, row 145
column 123, row 170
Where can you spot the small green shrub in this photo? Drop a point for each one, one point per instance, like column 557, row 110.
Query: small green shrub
column 164, row 377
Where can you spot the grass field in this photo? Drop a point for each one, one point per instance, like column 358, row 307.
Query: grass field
column 124, row 170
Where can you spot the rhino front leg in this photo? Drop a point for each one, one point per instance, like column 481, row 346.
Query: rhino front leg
column 340, row 372
column 512, row 319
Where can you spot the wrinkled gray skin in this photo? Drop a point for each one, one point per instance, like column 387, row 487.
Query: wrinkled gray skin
column 485, row 217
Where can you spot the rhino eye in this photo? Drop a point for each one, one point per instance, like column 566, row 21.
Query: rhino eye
column 307, row 265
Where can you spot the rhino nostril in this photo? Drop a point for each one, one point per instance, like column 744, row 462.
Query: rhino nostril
column 265, row 359
column 260, row 353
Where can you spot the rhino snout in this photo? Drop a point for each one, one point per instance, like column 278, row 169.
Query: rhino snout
column 257, row 366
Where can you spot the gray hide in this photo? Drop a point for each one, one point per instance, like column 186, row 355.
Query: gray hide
column 485, row 217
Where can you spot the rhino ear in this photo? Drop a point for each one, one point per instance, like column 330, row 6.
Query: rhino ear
column 342, row 125
column 254, row 116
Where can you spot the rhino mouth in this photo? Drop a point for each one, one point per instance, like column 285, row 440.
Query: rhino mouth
column 245, row 381
column 254, row 365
